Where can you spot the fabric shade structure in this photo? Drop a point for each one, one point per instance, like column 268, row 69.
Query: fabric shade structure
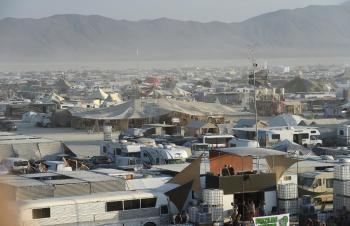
column 175, row 92
column 135, row 109
column 180, row 194
column 114, row 97
column 53, row 97
column 279, row 164
column 190, row 174
column 99, row 94
column 62, row 84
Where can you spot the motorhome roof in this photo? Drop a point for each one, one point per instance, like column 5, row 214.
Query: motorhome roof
column 317, row 173
column 218, row 136
column 96, row 197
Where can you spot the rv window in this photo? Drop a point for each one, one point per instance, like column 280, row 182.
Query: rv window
column 233, row 145
column 131, row 204
column 114, row 206
column 148, row 203
column 313, row 131
column 275, row 136
column 329, row 183
column 304, row 136
column 287, row 178
column 341, row 132
column 318, row 182
column 134, row 154
column 164, row 209
column 117, row 151
column 20, row 163
column 308, row 182
column 41, row 213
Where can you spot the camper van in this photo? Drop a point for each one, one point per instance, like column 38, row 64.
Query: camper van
column 143, row 208
column 217, row 141
column 237, row 142
column 318, row 184
column 125, row 154
column 305, row 136
column 164, row 154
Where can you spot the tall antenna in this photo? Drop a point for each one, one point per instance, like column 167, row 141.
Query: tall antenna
column 254, row 65
column 137, row 62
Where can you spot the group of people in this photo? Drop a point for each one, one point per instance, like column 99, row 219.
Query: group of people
column 181, row 218
column 310, row 222
column 228, row 170
column 342, row 219
column 247, row 211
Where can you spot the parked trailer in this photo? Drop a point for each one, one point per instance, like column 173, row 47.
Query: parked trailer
column 126, row 208
column 306, row 136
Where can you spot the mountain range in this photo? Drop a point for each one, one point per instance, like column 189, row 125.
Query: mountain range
column 314, row 31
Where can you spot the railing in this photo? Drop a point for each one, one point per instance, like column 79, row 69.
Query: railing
column 242, row 183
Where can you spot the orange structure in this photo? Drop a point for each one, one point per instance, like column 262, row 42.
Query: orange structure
column 218, row 160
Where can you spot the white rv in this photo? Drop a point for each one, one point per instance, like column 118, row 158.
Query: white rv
column 237, row 142
column 164, row 154
column 126, row 155
column 305, row 136
column 143, row 208
column 217, row 141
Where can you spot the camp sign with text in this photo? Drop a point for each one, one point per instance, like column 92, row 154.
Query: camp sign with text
column 274, row 220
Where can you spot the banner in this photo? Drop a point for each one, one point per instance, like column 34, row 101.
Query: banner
column 274, row 220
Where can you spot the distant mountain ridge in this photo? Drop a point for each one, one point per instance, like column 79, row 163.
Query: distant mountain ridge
column 311, row 31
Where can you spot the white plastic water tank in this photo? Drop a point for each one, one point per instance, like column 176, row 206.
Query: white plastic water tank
column 287, row 191
column 342, row 172
column 341, row 187
column 213, row 197
column 217, row 213
column 193, row 212
column 290, row 206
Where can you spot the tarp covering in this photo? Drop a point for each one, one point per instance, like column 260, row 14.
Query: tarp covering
column 6, row 151
column 285, row 120
column 180, row 194
column 279, row 164
column 35, row 149
column 175, row 92
column 99, row 94
column 190, row 174
column 292, row 147
column 53, row 97
column 27, row 150
column 136, row 109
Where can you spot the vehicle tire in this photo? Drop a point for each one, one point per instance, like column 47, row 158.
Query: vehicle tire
column 318, row 145
column 305, row 145
column 150, row 224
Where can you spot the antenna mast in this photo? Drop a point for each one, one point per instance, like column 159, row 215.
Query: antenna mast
column 254, row 68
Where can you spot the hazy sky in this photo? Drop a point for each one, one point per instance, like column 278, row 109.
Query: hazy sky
column 197, row 10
